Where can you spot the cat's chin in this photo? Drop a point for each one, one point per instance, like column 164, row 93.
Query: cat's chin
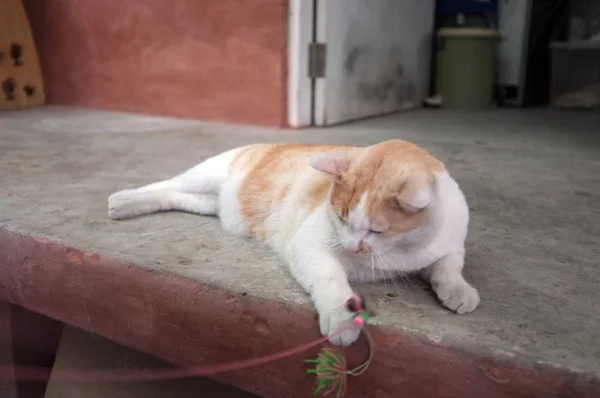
column 373, row 253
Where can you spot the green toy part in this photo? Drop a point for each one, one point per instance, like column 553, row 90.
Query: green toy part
column 330, row 367
column 331, row 373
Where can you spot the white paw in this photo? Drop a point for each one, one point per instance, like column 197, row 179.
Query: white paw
column 335, row 317
column 461, row 298
column 121, row 204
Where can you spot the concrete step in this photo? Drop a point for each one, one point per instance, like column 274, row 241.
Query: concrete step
column 176, row 286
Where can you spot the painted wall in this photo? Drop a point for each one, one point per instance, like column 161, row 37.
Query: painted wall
column 222, row 60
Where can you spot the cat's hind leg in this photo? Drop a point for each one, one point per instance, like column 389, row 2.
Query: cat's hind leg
column 194, row 191
column 132, row 203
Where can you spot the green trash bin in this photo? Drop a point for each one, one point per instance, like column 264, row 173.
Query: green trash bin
column 466, row 59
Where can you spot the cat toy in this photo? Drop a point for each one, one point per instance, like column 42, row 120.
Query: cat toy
column 330, row 365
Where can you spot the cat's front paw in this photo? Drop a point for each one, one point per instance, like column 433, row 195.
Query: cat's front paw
column 335, row 317
column 461, row 297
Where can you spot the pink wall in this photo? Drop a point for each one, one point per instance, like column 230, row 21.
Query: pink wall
column 222, row 60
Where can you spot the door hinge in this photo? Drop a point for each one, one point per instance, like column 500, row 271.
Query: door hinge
column 317, row 53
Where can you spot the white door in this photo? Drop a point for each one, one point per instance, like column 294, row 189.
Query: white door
column 377, row 57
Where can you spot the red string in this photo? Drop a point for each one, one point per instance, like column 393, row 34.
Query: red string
column 30, row 373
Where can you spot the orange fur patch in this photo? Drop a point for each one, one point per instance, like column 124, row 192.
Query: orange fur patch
column 386, row 171
column 271, row 170
column 383, row 170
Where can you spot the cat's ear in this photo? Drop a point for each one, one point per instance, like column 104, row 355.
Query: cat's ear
column 334, row 162
column 416, row 193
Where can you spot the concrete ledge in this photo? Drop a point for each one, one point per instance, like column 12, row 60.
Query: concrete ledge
column 173, row 285
column 189, row 323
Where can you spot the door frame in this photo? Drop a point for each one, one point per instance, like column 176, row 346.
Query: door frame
column 300, row 89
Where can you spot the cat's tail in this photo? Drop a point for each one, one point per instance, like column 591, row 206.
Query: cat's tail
column 194, row 191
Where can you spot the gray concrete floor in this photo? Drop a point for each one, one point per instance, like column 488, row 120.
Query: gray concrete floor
column 532, row 178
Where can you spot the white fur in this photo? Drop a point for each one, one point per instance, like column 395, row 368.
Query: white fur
column 195, row 191
column 317, row 246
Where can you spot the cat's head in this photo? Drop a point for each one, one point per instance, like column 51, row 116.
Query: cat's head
column 380, row 193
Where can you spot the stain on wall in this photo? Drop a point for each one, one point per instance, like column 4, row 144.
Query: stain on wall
column 221, row 60
column 377, row 75
column 379, row 58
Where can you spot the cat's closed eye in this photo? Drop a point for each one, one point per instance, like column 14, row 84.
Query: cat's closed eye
column 374, row 232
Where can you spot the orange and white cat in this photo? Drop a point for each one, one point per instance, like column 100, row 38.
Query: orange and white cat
column 335, row 214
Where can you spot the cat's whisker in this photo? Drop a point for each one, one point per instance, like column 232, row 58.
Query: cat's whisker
column 373, row 266
column 404, row 279
column 383, row 270
column 395, row 278
column 382, row 261
column 387, row 273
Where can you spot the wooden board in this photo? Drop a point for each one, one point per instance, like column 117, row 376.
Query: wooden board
column 21, row 83
column 81, row 350
column 8, row 388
